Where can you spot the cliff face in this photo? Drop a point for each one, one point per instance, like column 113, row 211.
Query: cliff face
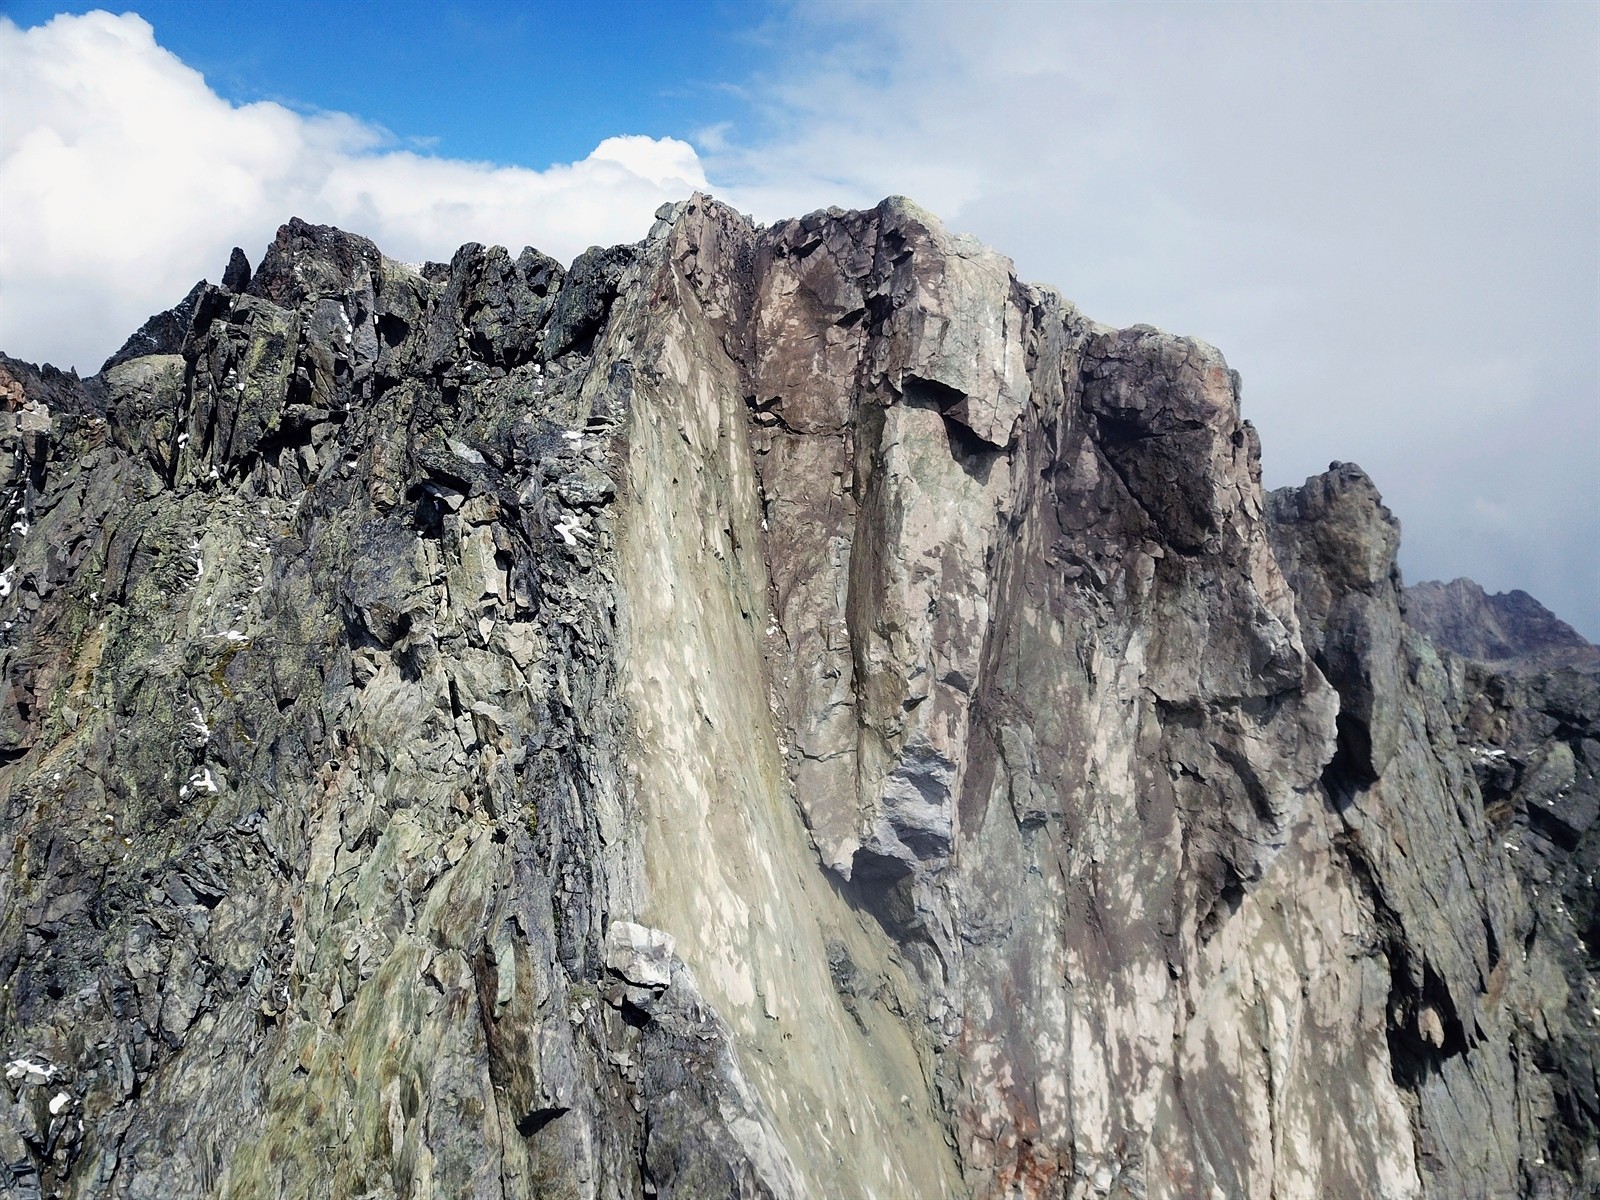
column 1509, row 631
column 764, row 712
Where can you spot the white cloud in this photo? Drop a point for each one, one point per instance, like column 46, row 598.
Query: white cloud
column 1383, row 214
column 124, row 178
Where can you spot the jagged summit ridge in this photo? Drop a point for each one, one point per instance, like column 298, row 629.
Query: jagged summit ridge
column 786, row 711
column 1509, row 630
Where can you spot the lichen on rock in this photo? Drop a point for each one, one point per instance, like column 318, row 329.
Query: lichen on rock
column 763, row 712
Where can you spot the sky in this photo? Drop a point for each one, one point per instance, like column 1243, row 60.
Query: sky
column 1387, row 216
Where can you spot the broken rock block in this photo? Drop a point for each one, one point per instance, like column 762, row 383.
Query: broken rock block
column 640, row 959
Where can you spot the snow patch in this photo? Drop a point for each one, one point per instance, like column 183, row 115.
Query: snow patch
column 571, row 531
column 29, row 1071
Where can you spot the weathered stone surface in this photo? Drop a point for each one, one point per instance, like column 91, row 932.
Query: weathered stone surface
column 761, row 713
column 1456, row 932
column 641, row 956
column 1533, row 740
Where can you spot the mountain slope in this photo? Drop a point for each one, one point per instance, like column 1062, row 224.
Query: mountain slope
column 784, row 712
column 1509, row 631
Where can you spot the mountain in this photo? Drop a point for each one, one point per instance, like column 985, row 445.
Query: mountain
column 1510, row 631
column 762, row 712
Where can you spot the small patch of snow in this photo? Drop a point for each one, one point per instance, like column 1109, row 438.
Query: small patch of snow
column 571, row 531
column 29, row 1071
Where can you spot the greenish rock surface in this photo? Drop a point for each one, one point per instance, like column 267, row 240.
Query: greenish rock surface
column 764, row 712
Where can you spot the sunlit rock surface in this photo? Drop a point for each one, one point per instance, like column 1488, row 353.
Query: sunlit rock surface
column 766, row 712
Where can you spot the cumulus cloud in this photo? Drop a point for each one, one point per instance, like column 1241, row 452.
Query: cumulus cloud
column 1383, row 214
column 124, row 178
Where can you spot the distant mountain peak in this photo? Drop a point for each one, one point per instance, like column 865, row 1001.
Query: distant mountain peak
column 1510, row 631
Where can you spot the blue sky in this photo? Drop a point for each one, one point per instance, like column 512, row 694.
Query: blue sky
column 533, row 84
column 1386, row 215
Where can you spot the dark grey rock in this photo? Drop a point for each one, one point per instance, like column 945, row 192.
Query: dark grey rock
column 236, row 278
column 164, row 333
column 761, row 713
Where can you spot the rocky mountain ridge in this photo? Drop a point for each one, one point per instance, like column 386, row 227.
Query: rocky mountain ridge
column 1509, row 631
column 786, row 711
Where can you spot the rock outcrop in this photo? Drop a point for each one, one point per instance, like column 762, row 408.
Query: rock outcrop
column 765, row 712
column 1510, row 632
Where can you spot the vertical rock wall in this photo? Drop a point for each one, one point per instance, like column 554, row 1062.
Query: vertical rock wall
column 764, row 712
column 1048, row 718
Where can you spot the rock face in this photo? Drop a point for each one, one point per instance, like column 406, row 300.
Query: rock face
column 1508, row 631
column 766, row 712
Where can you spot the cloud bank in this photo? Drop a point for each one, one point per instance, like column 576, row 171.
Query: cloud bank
column 1387, row 216
column 124, row 178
